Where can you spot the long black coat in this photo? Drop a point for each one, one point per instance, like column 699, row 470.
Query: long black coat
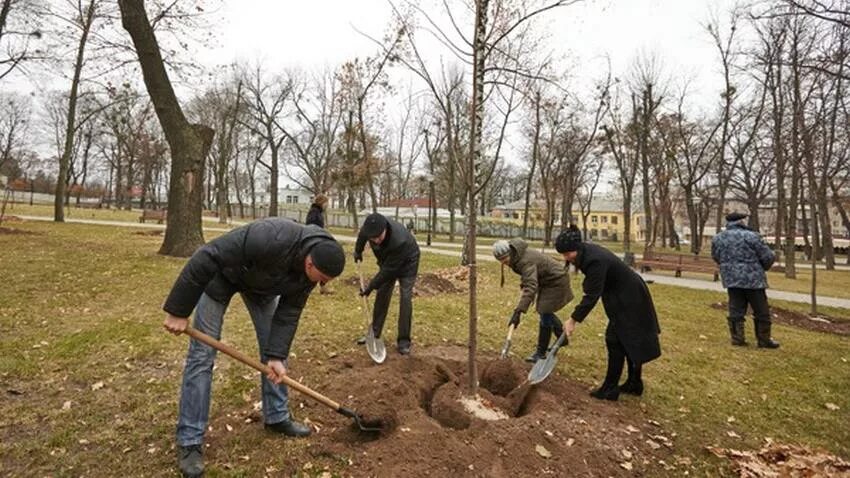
column 398, row 254
column 263, row 260
column 627, row 301
column 315, row 216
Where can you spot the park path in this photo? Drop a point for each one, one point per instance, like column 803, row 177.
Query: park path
column 843, row 303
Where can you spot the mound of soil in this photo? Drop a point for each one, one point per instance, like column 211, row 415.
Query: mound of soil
column 155, row 232
column 822, row 323
column 428, row 284
column 557, row 429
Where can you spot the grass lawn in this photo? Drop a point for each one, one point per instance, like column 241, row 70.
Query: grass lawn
column 90, row 380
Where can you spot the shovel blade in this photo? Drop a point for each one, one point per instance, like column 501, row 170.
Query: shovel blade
column 542, row 368
column 375, row 347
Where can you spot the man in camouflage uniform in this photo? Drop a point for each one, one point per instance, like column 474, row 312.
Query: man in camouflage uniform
column 743, row 258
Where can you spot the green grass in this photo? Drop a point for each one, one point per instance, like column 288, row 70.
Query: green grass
column 80, row 305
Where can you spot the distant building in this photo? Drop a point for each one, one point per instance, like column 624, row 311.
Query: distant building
column 605, row 222
column 294, row 195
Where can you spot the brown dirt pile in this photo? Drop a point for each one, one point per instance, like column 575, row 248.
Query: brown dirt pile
column 830, row 325
column 553, row 428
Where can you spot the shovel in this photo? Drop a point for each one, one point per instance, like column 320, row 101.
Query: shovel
column 507, row 345
column 374, row 346
column 544, row 367
column 363, row 425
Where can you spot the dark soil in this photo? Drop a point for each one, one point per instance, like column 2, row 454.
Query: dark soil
column 427, row 285
column 430, row 433
column 821, row 323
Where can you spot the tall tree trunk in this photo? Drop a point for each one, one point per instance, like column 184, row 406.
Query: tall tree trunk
column 643, row 147
column 70, row 123
column 535, row 152
column 189, row 143
column 476, row 122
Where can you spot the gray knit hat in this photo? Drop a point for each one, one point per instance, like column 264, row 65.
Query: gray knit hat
column 501, row 249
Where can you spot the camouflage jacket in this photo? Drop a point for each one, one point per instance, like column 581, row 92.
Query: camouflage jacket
column 743, row 257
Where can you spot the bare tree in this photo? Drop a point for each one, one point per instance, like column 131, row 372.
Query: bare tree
column 20, row 29
column 265, row 102
column 14, row 123
column 189, row 143
column 621, row 137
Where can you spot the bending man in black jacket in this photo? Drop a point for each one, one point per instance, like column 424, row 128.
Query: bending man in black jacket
column 274, row 264
column 632, row 332
column 398, row 258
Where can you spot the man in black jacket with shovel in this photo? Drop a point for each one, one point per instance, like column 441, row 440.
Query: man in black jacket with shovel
column 398, row 258
column 274, row 264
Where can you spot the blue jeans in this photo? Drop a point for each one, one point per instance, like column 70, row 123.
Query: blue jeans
column 197, row 374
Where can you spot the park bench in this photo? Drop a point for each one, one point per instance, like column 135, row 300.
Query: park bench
column 678, row 263
column 159, row 215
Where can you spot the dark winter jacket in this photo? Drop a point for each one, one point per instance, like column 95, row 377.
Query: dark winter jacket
column 743, row 257
column 627, row 301
column 263, row 259
column 398, row 254
column 542, row 278
column 315, row 216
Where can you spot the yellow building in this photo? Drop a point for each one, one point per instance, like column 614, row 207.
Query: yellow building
column 604, row 223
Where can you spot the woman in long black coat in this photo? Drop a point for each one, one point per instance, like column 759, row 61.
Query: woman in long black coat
column 632, row 332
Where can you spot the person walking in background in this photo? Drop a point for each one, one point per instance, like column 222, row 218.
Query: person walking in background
column 743, row 259
column 544, row 281
column 316, row 215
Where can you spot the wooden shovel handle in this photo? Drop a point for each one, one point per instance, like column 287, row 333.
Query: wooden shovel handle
column 261, row 367
column 511, row 329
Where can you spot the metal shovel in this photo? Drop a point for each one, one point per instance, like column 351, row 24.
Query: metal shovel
column 542, row 368
column 363, row 425
column 507, row 345
column 374, row 345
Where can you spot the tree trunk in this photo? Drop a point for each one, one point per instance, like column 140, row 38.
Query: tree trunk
column 535, row 151
column 476, row 122
column 70, row 128
column 189, row 143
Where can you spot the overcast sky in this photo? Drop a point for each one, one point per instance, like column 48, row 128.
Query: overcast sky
column 324, row 33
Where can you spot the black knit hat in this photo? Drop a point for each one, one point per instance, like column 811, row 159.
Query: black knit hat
column 328, row 257
column 568, row 241
column 735, row 216
column 374, row 225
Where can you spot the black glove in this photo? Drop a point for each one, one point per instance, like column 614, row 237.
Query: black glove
column 514, row 320
column 358, row 257
column 365, row 291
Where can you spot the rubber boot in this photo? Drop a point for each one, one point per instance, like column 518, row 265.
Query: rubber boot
column 736, row 331
column 633, row 384
column 543, row 336
column 763, row 335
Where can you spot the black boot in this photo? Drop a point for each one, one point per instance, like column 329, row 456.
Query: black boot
column 763, row 335
column 610, row 389
column 190, row 459
column 736, row 331
column 543, row 336
column 290, row 428
column 633, row 384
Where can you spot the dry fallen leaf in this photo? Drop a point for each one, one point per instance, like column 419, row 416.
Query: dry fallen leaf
column 632, row 429
column 542, row 451
column 228, row 427
column 730, row 419
column 627, row 454
column 626, row 465
column 66, row 405
column 832, row 406
column 570, row 441
column 653, row 444
column 732, row 434
column 97, row 386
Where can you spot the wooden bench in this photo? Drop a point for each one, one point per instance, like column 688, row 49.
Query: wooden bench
column 160, row 215
column 678, row 263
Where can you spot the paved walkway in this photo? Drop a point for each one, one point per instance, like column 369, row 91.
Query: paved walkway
column 657, row 278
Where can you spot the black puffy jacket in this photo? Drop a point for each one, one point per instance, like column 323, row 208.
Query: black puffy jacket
column 263, row 259
column 315, row 216
column 398, row 254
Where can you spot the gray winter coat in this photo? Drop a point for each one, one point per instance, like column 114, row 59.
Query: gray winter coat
column 743, row 257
